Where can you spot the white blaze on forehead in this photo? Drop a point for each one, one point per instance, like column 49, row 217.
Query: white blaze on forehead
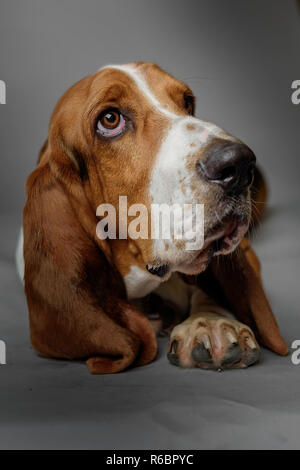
column 139, row 79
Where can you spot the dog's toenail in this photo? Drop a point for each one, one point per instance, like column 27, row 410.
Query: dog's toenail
column 251, row 343
column 206, row 342
column 231, row 337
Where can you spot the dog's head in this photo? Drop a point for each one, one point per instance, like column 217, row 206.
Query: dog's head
column 131, row 131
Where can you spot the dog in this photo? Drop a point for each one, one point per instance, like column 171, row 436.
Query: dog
column 131, row 130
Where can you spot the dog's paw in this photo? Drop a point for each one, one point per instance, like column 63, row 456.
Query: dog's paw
column 211, row 341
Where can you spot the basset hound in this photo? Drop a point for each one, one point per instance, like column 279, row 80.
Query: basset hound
column 130, row 130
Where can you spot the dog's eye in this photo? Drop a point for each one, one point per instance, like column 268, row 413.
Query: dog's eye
column 189, row 104
column 110, row 123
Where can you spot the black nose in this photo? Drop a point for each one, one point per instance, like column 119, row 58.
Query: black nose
column 228, row 164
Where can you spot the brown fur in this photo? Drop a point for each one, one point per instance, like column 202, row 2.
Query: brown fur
column 73, row 281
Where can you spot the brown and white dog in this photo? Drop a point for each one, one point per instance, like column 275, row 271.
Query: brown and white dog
column 130, row 130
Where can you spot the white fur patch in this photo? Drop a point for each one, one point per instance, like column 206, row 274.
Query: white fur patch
column 139, row 282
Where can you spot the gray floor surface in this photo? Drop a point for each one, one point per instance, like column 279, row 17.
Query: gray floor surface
column 50, row 404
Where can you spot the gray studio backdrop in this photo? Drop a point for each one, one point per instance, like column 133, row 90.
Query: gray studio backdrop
column 240, row 58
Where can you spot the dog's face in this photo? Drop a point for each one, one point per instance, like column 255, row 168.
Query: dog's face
column 134, row 126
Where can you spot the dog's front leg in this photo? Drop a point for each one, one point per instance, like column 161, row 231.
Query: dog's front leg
column 211, row 338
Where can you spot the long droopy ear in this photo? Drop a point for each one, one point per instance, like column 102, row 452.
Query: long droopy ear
column 76, row 298
column 76, row 172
